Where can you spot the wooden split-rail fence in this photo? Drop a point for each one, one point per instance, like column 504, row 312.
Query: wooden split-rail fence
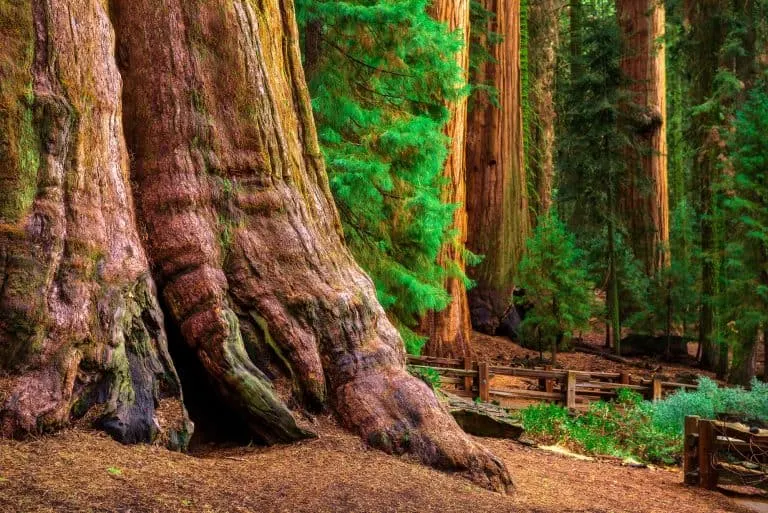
column 574, row 389
column 719, row 452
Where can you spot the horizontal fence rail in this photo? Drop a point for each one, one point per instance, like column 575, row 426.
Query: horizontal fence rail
column 573, row 389
column 717, row 452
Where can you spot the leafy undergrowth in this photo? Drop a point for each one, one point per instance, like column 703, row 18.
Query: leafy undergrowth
column 633, row 428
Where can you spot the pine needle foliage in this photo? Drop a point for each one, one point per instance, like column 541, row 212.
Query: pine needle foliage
column 482, row 41
column 382, row 75
column 558, row 295
column 744, row 300
column 671, row 301
column 593, row 135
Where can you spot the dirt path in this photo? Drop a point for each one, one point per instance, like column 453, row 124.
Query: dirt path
column 78, row 471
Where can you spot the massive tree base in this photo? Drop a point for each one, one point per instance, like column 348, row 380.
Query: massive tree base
column 233, row 221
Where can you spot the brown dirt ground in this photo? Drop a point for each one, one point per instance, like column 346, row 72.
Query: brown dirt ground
column 70, row 472
column 503, row 351
column 85, row 471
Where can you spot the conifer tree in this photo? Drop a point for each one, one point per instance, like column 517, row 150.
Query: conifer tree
column 722, row 42
column 745, row 273
column 227, row 196
column 592, row 138
column 543, row 41
column 558, row 295
column 381, row 74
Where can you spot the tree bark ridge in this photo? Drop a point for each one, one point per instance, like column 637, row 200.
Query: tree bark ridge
column 497, row 201
column 448, row 332
column 81, row 332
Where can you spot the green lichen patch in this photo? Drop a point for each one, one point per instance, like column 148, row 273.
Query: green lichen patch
column 19, row 142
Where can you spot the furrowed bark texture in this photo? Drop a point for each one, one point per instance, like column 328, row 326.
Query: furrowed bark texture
column 497, row 202
column 543, row 37
column 81, row 331
column 644, row 200
column 448, row 332
column 245, row 239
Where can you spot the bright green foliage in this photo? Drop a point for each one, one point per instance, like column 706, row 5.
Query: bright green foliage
column 557, row 292
column 385, row 71
column 631, row 427
column 623, row 428
column 427, row 374
column 708, row 402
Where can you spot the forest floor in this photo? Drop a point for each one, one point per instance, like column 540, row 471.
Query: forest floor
column 502, row 351
column 85, row 471
column 81, row 471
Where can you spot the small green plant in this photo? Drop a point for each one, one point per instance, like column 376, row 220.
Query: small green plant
column 632, row 427
column 622, row 428
column 557, row 292
column 709, row 401
column 115, row 471
column 429, row 376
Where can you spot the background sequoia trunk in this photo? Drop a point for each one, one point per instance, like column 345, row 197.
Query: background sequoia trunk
column 543, row 42
column 238, row 222
column 644, row 201
column 497, row 202
column 448, row 332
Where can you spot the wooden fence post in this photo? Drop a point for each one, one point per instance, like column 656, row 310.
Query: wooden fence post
column 484, row 381
column 690, row 450
column 546, row 384
column 468, row 379
column 549, row 384
column 570, row 390
column 657, row 388
column 624, row 378
column 707, row 472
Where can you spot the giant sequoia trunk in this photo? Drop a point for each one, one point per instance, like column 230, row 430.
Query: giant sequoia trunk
column 497, row 202
column 448, row 331
column 543, row 36
column 80, row 325
column 237, row 221
column 644, row 201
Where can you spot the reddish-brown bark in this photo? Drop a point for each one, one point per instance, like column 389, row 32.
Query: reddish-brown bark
column 80, row 326
column 643, row 200
column 448, row 331
column 497, row 202
column 543, row 36
column 240, row 228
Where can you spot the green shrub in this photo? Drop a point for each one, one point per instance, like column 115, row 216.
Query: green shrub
column 429, row 376
column 709, row 401
column 632, row 427
column 622, row 428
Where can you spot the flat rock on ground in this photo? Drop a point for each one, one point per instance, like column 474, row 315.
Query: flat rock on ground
column 482, row 419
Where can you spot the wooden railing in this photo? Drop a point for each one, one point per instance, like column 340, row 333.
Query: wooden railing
column 470, row 378
column 720, row 452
